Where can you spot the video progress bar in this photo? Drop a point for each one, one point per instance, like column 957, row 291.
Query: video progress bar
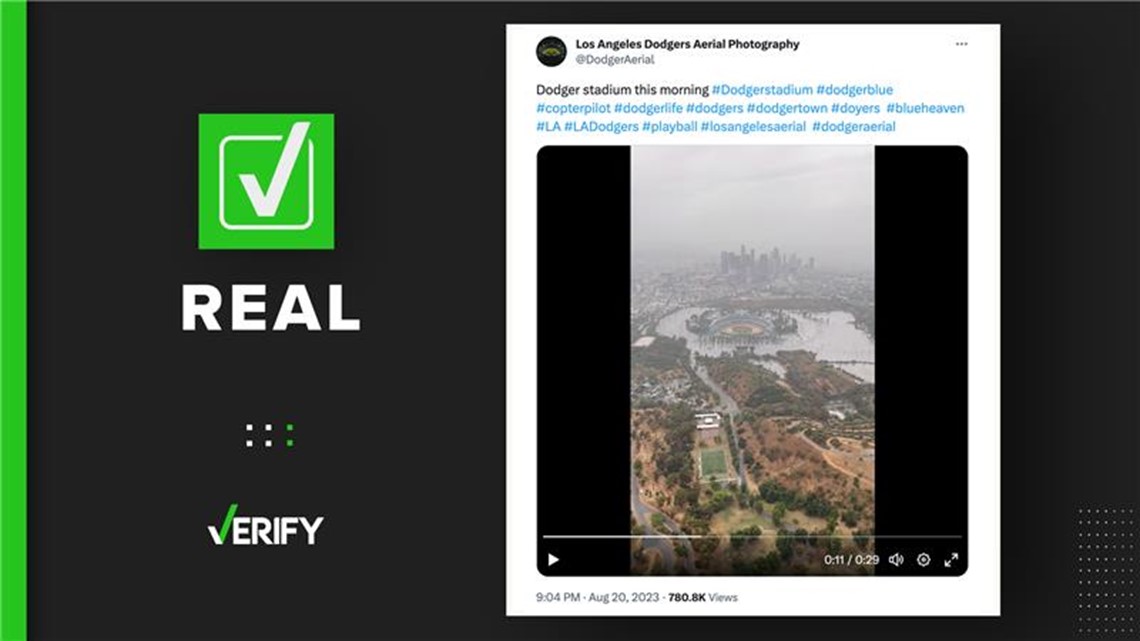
column 754, row 536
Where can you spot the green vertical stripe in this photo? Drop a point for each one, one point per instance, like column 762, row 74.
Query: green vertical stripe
column 13, row 322
column 227, row 521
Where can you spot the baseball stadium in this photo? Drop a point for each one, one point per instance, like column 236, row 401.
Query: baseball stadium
column 740, row 326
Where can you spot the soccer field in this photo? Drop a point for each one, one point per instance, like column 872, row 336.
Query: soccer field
column 712, row 462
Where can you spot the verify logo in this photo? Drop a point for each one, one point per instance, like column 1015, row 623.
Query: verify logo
column 265, row 181
column 264, row 530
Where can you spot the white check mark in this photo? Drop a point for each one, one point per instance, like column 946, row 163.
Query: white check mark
column 265, row 203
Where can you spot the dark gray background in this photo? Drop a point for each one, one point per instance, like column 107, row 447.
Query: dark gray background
column 134, row 442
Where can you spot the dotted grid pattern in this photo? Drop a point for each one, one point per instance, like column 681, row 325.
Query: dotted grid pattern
column 252, row 438
column 1106, row 572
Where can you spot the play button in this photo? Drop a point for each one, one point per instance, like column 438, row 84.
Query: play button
column 550, row 559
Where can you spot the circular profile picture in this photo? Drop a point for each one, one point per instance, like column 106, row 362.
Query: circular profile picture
column 551, row 51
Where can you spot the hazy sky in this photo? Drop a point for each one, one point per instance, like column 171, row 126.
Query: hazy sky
column 814, row 201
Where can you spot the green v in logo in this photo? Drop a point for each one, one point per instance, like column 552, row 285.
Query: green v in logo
column 220, row 536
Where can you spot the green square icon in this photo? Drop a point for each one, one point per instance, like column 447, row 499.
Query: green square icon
column 265, row 181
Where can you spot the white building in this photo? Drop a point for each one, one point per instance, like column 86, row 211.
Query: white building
column 708, row 421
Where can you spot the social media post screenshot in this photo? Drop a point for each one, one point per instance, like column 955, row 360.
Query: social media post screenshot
column 752, row 320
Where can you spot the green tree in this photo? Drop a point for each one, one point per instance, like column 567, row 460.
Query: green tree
column 744, row 535
column 778, row 513
column 850, row 518
column 785, row 545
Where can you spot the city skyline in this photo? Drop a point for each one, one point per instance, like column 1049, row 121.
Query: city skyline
column 692, row 204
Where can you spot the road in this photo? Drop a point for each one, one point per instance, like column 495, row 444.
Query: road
column 643, row 514
column 726, row 405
